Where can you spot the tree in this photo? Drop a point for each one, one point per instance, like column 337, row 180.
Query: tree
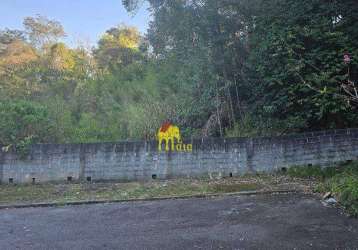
column 281, row 60
column 8, row 36
column 118, row 47
column 14, row 49
column 16, row 57
column 23, row 123
column 207, row 40
column 300, row 60
column 42, row 31
column 61, row 58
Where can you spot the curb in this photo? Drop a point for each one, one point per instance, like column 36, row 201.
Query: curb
column 198, row 196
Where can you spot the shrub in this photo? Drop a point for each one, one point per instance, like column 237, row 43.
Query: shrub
column 23, row 123
column 314, row 171
column 345, row 187
column 341, row 180
column 305, row 171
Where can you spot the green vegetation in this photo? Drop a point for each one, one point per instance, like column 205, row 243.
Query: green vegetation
column 214, row 68
column 313, row 172
column 342, row 181
column 22, row 194
column 23, row 123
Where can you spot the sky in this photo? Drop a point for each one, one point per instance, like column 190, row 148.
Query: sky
column 83, row 20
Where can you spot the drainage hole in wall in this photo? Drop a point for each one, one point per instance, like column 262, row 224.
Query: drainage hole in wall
column 230, row 174
column 11, row 180
column 89, row 178
column 69, row 178
column 33, row 180
column 154, row 176
column 284, row 170
column 310, row 165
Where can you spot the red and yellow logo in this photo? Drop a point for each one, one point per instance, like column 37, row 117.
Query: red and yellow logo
column 170, row 134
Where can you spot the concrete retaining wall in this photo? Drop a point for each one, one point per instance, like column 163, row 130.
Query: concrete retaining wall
column 141, row 160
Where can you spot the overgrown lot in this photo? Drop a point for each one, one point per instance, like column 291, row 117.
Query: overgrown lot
column 340, row 180
column 68, row 192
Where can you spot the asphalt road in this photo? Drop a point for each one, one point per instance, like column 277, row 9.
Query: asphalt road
column 290, row 221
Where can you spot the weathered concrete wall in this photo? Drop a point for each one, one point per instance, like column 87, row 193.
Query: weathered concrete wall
column 141, row 160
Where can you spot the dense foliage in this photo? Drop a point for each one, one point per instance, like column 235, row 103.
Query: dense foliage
column 215, row 68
